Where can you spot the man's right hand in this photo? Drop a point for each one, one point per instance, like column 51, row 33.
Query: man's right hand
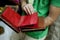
column 28, row 8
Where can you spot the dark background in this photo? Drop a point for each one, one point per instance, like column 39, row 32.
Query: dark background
column 6, row 2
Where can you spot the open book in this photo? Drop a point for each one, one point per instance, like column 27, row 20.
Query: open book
column 18, row 22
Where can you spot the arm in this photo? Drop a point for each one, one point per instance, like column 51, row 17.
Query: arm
column 53, row 14
column 54, row 11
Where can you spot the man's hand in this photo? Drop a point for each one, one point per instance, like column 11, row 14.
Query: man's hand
column 43, row 22
column 28, row 8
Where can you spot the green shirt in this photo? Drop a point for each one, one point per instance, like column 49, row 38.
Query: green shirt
column 42, row 7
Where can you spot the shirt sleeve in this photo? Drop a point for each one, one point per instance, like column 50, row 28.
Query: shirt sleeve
column 55, row 3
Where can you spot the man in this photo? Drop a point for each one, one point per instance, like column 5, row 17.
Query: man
column 49, row 9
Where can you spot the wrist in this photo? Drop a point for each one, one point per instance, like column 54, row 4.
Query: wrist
column 48, row 21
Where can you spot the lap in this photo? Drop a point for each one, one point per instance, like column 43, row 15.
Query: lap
column 26, row 37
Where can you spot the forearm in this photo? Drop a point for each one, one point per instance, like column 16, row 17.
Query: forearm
column 53, row 14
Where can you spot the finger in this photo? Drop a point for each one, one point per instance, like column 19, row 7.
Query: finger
column 24, row 8
column 27, row 8
column 31, row 8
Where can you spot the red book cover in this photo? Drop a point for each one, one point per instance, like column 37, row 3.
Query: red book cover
column 39, row 26
column 17, row 21
column 11, row 18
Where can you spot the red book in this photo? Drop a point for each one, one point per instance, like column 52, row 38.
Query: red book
column 39, row 26
column 17, row 21
column 10, row 17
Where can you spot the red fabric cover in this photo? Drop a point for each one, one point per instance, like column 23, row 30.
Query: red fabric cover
column 29, row 20
column 20, row 21
column 11, row 16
